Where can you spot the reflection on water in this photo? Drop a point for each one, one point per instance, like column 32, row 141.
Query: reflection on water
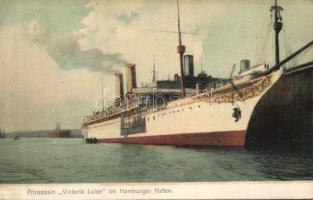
column 46, row 160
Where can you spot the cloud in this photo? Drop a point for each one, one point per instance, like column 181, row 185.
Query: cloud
column 137, row 43
column 57, row 16
column 127, row 19
column 67, row 52
column 33, row 85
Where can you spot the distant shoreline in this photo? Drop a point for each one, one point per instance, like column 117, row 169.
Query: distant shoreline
column 75, row 133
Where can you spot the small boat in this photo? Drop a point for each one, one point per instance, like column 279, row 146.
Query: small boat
column 2, row 133
column 91, row 140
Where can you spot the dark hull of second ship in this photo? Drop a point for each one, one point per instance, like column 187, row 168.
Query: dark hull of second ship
column 284, row 116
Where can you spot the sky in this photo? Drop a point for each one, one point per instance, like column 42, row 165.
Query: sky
column 53, row 54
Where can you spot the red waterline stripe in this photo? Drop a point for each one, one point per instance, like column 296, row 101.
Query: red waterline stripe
column 225, row 138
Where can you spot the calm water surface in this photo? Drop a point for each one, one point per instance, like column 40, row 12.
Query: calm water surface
column 45, row 160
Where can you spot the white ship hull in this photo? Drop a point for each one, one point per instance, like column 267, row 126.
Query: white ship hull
column 206, row 119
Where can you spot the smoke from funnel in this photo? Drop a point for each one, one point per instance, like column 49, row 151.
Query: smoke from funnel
column 66, row 51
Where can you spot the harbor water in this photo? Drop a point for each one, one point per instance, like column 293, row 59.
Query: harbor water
column 54, row 160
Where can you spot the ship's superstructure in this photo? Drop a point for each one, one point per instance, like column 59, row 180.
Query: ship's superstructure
column 193, row 110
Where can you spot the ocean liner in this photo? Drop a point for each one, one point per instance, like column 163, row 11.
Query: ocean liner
column 248, row 109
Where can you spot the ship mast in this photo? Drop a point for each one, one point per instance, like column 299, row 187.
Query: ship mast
column 277, row 27
column 102, row 95
column 153, row 71
column 180, row 50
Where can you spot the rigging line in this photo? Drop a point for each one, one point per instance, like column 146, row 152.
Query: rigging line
column 268, row 29
column 237, row 90
column 259, row 42
column 262, row 43
column 266, row 42
column 286, row 38
column 285, row 42
column 234, row 86
column 286, row 50
column 293, row 62
column 272, row 46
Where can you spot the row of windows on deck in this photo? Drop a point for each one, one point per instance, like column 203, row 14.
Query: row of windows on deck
column 153, row 117
column 162, row 114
